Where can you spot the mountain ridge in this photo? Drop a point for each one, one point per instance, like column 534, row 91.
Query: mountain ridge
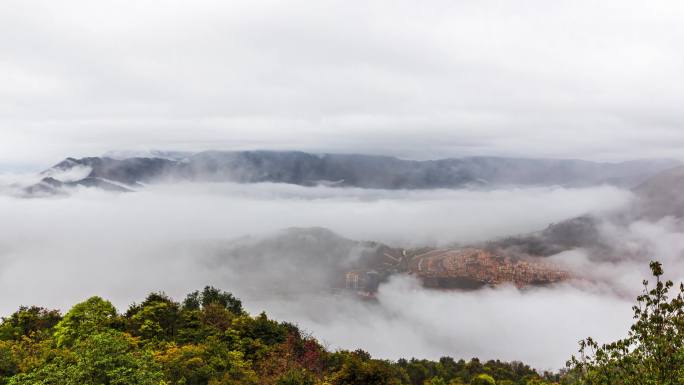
column 362, row 171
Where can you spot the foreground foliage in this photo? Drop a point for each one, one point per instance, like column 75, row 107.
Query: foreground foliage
column 208, row 339
column 653, row 351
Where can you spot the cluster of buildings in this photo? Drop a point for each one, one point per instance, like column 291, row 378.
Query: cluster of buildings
column 487, row 268
column 455, row 268
column 362, row 281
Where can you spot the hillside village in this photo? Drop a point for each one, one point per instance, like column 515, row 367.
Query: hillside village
column 456, row 268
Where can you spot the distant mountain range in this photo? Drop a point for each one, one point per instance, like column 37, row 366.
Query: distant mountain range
column 306, row 259
column 343, row 170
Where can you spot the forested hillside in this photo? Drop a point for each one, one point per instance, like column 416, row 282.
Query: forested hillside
column 210, row 339
column 206, row 339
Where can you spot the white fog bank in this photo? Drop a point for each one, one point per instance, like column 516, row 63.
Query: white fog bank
column 58, row 251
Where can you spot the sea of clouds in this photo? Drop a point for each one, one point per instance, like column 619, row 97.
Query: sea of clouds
column 57, row 251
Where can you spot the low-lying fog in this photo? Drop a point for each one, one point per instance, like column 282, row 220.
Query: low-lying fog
column 57, row 251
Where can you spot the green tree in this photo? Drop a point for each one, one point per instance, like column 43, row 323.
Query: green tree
column 86, row 318
column 212, row 295
column 9, row 365
column 187, row 364
column 158, row 317
column 435, row 381
column 206, row 363
column 109, row 357
column 356, row 370
column 483, row 379
column 28, row 321
column 535, row 381
column 254, row 336
column 653, row 351
column 296, row 377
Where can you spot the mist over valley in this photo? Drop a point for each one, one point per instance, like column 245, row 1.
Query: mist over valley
column 420, row 267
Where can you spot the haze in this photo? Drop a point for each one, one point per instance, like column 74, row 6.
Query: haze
column 571, row 79
column 121, row 245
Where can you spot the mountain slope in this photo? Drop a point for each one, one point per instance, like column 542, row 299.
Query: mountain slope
column 313, row 259
column 661, row 195
column 656, row 198
column 364, row 171
column 50, row 186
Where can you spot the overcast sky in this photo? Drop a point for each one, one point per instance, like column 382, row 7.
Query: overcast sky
column 416, row 79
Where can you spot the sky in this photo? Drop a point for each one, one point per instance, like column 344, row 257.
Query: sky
column 414, row 79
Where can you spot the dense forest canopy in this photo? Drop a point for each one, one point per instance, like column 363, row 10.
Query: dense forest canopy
column 209, row 339
column 206, row 339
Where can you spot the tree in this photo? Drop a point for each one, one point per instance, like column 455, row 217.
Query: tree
column 535, row 381
column 256, row 335
column 28, row 321
column 435, row 381
column 93, row 315
column 212, row 295
column 156, row 318
column 358, row 370
column 9, row 364
column 211, row 362
column 653, row 351
column 108, row 357
column 483, row 379
column 456, row 381
column 296, row 377
column 185, row 364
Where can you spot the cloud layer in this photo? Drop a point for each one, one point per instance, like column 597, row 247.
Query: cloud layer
column 414, row 79
column 540, row 327
column 55, row 252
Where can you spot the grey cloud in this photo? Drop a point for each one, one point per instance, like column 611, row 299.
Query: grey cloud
column 414, row 79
